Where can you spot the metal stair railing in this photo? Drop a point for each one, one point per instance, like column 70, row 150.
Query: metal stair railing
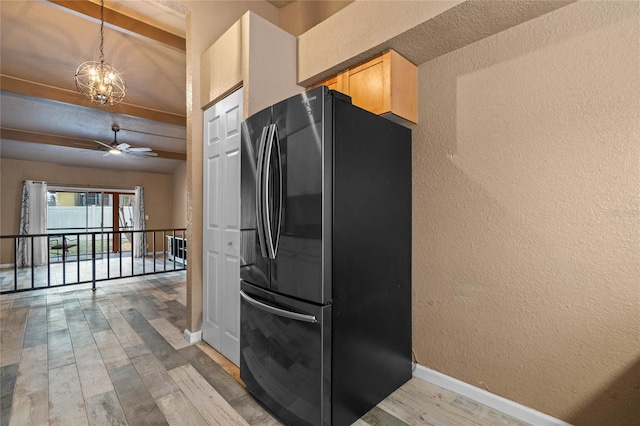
column 80, row 251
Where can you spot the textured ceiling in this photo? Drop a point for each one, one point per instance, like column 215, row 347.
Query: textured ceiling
column 42, row 42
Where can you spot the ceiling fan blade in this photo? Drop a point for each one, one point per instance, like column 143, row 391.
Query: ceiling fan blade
column 103, row 144
column 125, row 149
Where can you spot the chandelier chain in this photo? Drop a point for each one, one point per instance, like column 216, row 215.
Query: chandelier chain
column 101, row 30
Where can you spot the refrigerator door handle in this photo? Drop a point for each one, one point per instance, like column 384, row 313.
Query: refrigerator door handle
column 277, row 311
column 272, row 247
column 280, row 194
column 260, row 193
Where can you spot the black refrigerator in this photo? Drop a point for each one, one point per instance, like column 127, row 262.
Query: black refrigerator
column 325, row 273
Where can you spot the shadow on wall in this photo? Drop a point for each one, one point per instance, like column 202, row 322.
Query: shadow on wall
column 618, row 404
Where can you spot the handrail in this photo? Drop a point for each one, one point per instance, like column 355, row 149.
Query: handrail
column 85, row 245
column 89, row 233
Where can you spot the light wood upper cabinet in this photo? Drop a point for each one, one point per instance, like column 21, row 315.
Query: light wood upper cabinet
column 333, row 83
column 385, row 85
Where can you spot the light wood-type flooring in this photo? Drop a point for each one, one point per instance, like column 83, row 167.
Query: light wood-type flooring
column 71, row 356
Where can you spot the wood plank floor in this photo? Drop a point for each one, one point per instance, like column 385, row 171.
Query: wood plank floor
column 71, row 356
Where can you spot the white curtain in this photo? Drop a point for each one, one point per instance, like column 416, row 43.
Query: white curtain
column 138, row 223
column 33, row 220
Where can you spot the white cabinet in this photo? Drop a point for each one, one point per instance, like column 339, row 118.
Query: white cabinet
column 177, row 249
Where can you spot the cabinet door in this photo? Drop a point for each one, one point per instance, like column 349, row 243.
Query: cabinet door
column 334, row 83
column 369, row 85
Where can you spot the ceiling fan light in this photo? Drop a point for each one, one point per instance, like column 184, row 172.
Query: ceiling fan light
column 115, row 151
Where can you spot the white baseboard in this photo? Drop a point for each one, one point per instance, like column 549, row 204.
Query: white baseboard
column 506, row 406
column 6, row 265
column 192, row 336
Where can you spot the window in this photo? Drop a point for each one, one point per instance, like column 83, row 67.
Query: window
column 100, row 211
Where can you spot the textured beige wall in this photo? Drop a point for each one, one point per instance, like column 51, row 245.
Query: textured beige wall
column 526, row 267
column 157, row 190
column 299, row 16
column 206, row 22
column 526, row 251
column 179, row 191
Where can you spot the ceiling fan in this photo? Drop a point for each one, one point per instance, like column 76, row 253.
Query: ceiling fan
column 124, row 148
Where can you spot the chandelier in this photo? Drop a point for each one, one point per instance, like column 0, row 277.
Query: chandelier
column 99, row 81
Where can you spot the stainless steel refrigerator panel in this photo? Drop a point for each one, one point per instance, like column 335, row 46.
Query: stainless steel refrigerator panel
column 371, row 260
column 325, row 302
column 298, row 269
column 285, row 355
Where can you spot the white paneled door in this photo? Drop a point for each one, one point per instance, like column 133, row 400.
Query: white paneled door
column 221, row 226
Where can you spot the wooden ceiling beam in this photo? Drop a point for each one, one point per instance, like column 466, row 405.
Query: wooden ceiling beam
column 45, row 138
column 88, row 8
column 70, row 142
column 38, row 90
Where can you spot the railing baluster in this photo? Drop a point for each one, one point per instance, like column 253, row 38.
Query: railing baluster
column 143, row 235
column 154, row 251
column 64, row 263
column 48, row 261
column 174, row 248
column 164, row 251
column 93, row 261
column 108, row 260
column 33, row 267
column 133, row 239
column 78, row 253
column 120, row 251
column 15, row 264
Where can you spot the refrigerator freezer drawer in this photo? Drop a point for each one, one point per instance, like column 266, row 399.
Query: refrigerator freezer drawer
column 285, row 355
